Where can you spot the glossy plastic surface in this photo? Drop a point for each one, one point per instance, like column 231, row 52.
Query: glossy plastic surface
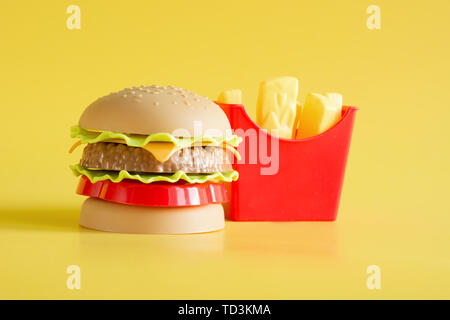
column 109, row 216
column 157, row 194
column 310, row 173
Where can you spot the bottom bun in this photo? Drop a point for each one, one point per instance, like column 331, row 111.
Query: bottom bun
column 114, row 217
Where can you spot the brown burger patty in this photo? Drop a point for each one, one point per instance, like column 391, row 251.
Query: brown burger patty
column 117, row 156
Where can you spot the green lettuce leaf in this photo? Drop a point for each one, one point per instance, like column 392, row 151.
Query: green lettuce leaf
column 117, row 176
column 141, row 140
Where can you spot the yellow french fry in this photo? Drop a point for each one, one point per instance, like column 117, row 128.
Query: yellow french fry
column 296, row 122
column 233, row 96
column 319, row 113
column 276, row 106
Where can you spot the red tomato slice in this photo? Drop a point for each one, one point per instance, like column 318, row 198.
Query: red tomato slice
column 158, row 194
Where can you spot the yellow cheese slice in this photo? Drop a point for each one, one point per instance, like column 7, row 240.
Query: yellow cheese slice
column 231, row 96
column 162, row 151
column 319, row 113
column 276, row 106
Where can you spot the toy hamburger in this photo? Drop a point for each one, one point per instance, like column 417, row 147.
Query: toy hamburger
column 156, row 160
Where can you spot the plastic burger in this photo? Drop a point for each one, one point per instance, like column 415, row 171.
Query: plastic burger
column 156, row 160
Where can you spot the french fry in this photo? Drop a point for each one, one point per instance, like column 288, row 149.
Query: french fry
column 233, row 96
column 279, row 113
column 276, row 107
column 318, row 114
column 296, row 121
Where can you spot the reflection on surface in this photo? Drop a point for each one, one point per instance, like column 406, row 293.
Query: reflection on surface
column 66, row 220
column 248, row 260
column 245, row 259
column 58, row 220
column 308, row 239
column 151, row 243
column 302, row 238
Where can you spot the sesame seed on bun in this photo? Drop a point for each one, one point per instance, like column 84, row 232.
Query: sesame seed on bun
column 156, row 109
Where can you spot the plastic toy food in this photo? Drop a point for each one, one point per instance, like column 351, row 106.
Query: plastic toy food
column 276, row 107
column 157, row 194
column 299, row 164
column 302, row 183
column 318, row 114
column 155, row 161
column 233, row 96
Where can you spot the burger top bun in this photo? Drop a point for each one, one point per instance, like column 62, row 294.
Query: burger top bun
column 156, row 109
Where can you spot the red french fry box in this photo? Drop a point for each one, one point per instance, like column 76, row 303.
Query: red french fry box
column 301, row 181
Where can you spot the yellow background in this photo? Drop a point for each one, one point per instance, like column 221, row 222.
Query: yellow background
column 394, row 210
